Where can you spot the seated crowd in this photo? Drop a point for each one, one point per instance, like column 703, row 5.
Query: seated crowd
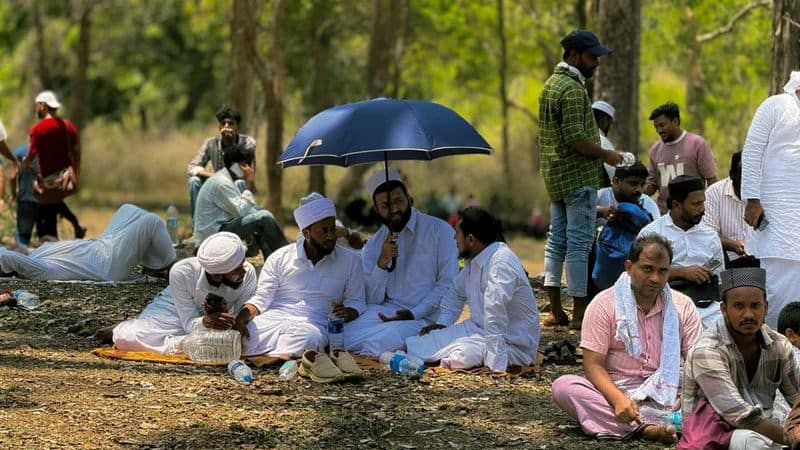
column 676, row 323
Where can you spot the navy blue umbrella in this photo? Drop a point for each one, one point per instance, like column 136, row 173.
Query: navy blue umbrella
column 382, row 129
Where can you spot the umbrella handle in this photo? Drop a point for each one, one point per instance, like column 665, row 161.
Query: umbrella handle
column 390, row 267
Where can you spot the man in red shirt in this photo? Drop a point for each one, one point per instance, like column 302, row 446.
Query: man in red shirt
column 55, row 141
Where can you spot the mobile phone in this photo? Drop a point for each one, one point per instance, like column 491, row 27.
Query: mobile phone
column 215, row 302
column 713, row 264
column 762, row 223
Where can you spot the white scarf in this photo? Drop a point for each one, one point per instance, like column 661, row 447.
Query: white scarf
column 574, row 70
column 662, row 385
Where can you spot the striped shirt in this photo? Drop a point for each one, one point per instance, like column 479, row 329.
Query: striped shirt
column 725, row 213
column 600, row 327
column 212, row 151
column 715, row 370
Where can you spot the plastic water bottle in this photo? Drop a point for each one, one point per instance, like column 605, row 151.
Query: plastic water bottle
column 172, row 223
column 400, row 363
column 213, row 346
column 240, row 371
column 26, row 299
column 335, row 332
column 656, row 416
column 288, row 370
column 627, row 159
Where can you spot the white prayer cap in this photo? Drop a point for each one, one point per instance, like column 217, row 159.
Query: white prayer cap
column 793, row 85
column 605, row 107
column 379, row 177
column 313, row 208
column 48, row 98
column 221, row 253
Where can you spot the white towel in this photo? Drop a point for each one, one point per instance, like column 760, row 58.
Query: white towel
column 662, row 385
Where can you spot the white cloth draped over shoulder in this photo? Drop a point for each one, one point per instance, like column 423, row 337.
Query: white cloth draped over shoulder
column 134, row 236
column 178, row 310
column 295, row 297
column 503, row 326
column 219, row 201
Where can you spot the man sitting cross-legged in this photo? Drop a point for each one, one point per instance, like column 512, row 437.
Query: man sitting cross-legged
column 405, row 299
column 207, row 291
column 134, row 236
column 299, row 286
column 503, row 326
column 736, row 366
column 633, row 337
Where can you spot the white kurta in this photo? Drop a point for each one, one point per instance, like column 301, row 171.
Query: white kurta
column 503, row 327
column 770, row 170
column 426, row 267
column 606, row 144
column 178, row 310
column 295, row 298
column 696, row 247
column 134, row 236
column 219, row 201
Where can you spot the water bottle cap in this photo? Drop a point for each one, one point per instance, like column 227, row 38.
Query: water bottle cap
column 248, row 378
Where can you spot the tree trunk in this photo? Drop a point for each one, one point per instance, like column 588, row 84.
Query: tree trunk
column 785, row 42
column 618, row 75
column 240, row 75
column 80, row 86
column 275, row 110
column 383, row 60
column 506, row 149
column 42, row 79
column 321, row 30
column 695, row 79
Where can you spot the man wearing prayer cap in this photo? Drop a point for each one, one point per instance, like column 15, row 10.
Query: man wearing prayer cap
column 301, row 285
column 698, row 257
column 604, row 117
column 770, row 171
column 736, row 366
column 206, row 291
column 409, row 264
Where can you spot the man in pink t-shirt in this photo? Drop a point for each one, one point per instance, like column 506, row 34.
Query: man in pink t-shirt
column 679, row 152
column 602, row 400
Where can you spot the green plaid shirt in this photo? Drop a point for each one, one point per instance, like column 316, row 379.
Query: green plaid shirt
column 565, row 114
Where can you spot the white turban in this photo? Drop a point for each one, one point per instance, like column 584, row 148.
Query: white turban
column 793, row 85
column 313, row 208
column 605, row 107
column 221, row 253
column 379, row 177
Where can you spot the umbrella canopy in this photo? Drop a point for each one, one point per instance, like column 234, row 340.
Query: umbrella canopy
column 382, row 129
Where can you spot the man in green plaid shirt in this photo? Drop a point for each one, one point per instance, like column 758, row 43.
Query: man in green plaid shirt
column 571, row 160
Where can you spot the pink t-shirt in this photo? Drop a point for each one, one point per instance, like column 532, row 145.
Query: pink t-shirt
column 600, row 326
column 690, row 154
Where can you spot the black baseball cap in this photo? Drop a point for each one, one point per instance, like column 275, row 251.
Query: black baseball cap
column 583, row 40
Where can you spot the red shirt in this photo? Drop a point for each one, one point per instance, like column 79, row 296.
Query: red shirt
column 49, row 141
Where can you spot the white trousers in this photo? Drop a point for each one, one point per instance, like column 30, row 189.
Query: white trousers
column 275, row 333
column 369, row 335
column 782, row 278
column 750, row 440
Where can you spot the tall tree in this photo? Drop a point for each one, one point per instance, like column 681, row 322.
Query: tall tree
column 618, row 76
column 389, row 22
column 504, row 104
column 273, row 79
column 42, row 77
column 321, row 32
column 80, row 84
column 240, row 73
column 785, row 42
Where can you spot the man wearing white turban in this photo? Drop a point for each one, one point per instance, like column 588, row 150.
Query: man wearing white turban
column 133, row 237
column 770, row 170
column 408, row 266
column 207, row 291
column 302, row 283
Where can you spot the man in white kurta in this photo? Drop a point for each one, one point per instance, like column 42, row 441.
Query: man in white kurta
column 133, row 237
column 697, row 250
column 401, row 302
column 301, row 284
column 503, row 327
column 770, row 171
column 219, row 269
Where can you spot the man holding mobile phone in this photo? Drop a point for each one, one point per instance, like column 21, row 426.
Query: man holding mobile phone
column 770, row 170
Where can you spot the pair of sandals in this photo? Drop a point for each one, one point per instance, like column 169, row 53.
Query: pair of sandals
column 559, row 352
column 321, row 368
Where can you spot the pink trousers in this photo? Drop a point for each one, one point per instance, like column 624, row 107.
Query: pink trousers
column 578, row 397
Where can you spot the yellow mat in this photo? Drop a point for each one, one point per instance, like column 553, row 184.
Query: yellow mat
column 110, row 352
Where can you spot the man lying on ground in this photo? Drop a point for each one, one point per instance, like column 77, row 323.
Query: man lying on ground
column 406, row 298
column 697, row 251
column 133, row 237
column 633, row 337
column 503, row 327
column 207, row 291
column 737, row 364
column 300, row 285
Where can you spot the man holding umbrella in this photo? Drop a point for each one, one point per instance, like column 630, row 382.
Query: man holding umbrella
column 571, row 161
column 408, row 266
